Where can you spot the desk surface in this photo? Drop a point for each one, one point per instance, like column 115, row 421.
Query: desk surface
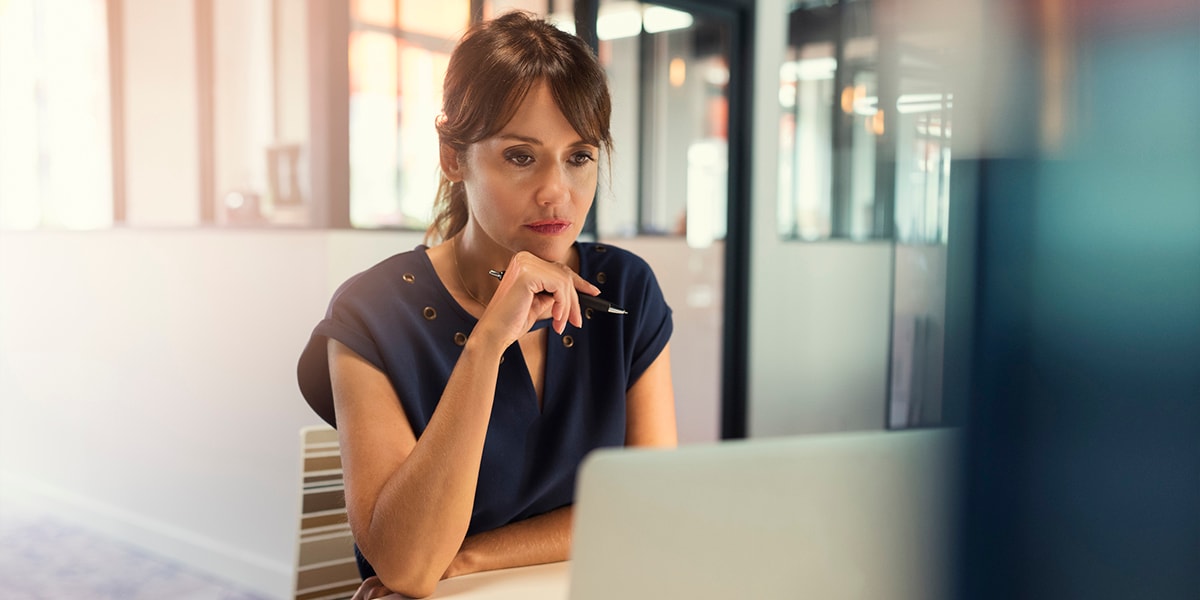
column 539, row 582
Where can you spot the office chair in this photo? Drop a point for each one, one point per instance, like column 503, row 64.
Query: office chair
column 325, row 566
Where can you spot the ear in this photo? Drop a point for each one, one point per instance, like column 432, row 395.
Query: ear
column 451, row 165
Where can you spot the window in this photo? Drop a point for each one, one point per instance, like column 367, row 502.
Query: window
column 864, row 129
column 922, row 196
column 56, row 148
column 260, row 114
column 830, row 126
column 668, row 71
column 399, row 51
column 398, row 54
column 923, row 131
column 249, row 127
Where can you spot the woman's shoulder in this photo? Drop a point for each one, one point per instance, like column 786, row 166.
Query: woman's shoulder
column 406, row 270
column 598, row 255
column 622, row 276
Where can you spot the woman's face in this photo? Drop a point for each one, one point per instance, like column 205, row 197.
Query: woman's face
column 530, row 186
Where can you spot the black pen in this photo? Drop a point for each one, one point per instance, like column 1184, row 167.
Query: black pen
column 585, row 300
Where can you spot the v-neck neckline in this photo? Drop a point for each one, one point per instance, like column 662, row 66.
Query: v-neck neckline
column 549, row 372
column 463, row 313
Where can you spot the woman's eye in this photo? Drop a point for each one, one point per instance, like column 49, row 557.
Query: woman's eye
column 581, row 158
column 521, row 160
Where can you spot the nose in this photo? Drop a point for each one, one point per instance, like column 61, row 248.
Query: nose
column 554, row 186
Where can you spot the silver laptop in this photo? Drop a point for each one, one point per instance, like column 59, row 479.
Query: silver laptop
column 830, row 516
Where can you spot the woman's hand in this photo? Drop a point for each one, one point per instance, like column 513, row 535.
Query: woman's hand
column 533, row 289
column 371, row 587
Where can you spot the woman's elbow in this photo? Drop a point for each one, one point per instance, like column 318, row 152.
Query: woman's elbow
column 411, row 585
column 411, row 569
column 411, row 576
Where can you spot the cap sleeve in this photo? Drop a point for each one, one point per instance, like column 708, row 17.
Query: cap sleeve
column 652, row 321
column 344, row 321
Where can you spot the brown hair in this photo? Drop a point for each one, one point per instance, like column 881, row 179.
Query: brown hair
column 491, row 70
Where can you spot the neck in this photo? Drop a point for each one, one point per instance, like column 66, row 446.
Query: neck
column 479, row 288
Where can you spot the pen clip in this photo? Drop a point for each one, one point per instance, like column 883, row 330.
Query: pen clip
column 496, row 274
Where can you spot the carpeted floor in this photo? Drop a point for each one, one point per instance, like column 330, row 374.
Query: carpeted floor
column 46, row 558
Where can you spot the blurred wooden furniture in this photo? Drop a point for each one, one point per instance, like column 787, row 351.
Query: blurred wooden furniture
column 325, row 567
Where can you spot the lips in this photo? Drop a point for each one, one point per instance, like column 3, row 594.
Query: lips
column 549, row 226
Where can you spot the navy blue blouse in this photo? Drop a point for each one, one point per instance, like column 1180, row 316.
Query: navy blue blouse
column 398, row 316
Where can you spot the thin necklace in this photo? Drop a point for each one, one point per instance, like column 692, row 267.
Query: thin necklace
column 458, row 271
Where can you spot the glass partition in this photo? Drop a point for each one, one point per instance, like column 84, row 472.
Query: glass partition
column 922, row 133
column 668, row 71
column 831, row 124
column 865, row 151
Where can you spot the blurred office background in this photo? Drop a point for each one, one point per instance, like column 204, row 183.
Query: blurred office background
column 868, row 215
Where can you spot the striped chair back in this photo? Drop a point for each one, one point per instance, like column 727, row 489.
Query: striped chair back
column 325, row 567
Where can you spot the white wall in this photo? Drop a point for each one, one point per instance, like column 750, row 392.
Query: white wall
column 819, row 313
column 147, row 387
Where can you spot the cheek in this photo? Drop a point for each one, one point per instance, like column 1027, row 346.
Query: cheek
column 485, row 191
column 584, row 184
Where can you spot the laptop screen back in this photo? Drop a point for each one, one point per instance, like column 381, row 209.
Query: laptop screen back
column 829, row 516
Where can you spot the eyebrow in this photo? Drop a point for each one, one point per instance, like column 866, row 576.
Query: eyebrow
column 535, row 141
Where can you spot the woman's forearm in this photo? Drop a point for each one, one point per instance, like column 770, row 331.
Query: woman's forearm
column 537, row 540
column 418, row 515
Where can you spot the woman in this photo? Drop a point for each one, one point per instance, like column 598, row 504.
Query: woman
column 465, row 402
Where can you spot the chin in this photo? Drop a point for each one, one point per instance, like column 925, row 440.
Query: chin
column 556, row 249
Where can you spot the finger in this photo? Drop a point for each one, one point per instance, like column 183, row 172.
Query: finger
column 564, row 298
column 369, row 588
column 576, row 318
column 554, row 289
column 541, row 304
column 380, row 591
column 576, row 314
column 571, row 312
column 562, row 309
column 584, row 285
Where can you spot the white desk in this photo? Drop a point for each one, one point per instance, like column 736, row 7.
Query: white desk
column 539, row 582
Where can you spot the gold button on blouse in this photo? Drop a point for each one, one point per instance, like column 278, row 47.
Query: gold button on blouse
column 430, row 313
column 568, row 341
column 408, row 278
column 601, row 277
column 460, row 338
column 587, row 313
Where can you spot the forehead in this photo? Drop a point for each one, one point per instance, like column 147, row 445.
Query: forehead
column 538, row 117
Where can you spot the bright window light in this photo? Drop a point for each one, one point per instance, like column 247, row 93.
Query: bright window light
column 563, row 22
column 915, row 103
column 627, row 19
column 657, row 19
column 807, row 69
column 619, row 20
column 55, row 144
